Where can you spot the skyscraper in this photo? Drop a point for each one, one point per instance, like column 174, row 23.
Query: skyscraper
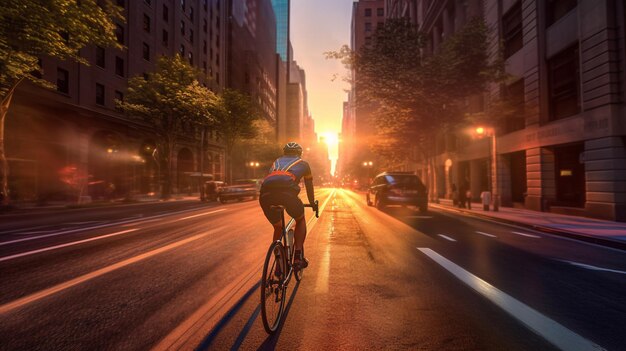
column 281, row 9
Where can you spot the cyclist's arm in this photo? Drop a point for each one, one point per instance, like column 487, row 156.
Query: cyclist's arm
column 308, row 183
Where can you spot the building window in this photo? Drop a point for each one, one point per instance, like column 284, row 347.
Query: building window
column 190, row 56
column 100, row 57
column 119, row 66
column 368, row 12
column 182, row 27
column 204, row 66
column 217, row 78
column 146, row 23
column 204, row 47
column 513, row 95
column 191, row 36
column 166, row 38
column 368, row 27
column 564, row 83
column 556, row 9
column 166, row 13
column 119, row 97
column 63, row 81
column 217, row 60
column 512, row 30
column 380, row 12
column 205, row 4
column 182, row 50
column 182, row 4
column 191, row 13
column 146, row 52
column 119, row 33
column 37, row 72
column 205, row 25
column 217, row 41
column 99, row 94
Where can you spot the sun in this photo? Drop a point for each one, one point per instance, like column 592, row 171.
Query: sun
column 331, row 139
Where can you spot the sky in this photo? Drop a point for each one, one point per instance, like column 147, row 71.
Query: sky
column 318, row 26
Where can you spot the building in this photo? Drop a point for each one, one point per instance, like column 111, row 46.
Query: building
column 564, row 147
column 252, row 53
column 282, row 10
column 71, row 142
column 367, row 15
column 297, row 108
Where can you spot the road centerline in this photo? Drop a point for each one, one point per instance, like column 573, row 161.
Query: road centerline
column 201, row 214
column 547, row 328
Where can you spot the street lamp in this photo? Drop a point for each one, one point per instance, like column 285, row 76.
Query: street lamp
column 493, row 164
column 254, row 165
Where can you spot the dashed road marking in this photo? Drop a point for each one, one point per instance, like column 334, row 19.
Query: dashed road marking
column 549, row 329
column 28, row 253
column 593, row 268
column 201, row 214
column 527, row 235
column 486, row 234
column 446, row 237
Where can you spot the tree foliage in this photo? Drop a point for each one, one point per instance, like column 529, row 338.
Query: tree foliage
column 416, row 94
column 171, row 101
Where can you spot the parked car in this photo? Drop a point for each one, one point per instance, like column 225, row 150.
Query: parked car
column 212, row 189
column 241, row 189
column 397, row 188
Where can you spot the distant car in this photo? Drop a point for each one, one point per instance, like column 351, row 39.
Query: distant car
column 212, row 189
column 241, row 189
column 397, row 188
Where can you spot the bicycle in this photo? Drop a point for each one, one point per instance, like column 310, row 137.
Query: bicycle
column 278, row 270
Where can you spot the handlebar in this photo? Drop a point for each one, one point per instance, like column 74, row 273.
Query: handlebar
column 316, row 207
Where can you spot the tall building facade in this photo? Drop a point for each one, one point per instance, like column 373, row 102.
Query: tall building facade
column 72, row 142
column 564, row 147
column 282, row 9
column 367, row 15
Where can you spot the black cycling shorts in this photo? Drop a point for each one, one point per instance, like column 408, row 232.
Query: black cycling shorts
column 289, row 199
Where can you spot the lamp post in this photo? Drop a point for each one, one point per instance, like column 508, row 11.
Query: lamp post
column 254, row 165
column 368, row 165
column 492, row 175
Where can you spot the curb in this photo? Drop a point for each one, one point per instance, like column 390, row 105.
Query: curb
column 615, row 244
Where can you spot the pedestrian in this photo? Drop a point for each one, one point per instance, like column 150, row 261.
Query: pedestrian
column 485, row 196
column 462, row 196
column 468, row 195
column 455, row 195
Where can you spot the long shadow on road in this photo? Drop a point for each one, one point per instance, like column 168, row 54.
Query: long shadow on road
column 269, row 343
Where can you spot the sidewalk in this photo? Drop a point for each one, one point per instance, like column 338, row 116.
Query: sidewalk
column 607, row 233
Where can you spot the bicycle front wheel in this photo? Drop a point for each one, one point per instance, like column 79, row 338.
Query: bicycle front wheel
column 272, row 292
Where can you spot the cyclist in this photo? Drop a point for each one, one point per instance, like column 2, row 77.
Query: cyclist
column 281, row 187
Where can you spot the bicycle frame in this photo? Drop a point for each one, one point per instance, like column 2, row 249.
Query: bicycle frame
column 290, row 251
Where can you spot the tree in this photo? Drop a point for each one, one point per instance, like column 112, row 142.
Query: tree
column 170, row 100
column 30, row 29
column 417, row 95
column 235, row 122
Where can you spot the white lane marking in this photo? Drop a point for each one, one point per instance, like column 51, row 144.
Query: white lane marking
column 83, row 278
column 527, row 235
column 549, row 329
column 95, row 227
column 28, row 253
column 446, row 237
column 593, row 268
column 201, row 214
column 486, row 234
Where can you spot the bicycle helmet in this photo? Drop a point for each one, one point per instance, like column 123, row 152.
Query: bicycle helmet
column 292, row 148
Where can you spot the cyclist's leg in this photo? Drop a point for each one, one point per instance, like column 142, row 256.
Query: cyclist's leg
column 273, row 216
column 300, row 233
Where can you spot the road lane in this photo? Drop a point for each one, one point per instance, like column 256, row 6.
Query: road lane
column 175, row 282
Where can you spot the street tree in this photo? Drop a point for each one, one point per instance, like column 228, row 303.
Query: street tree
column 235, row 122
column 172, row 102
column 31, row 29
column 414, row 95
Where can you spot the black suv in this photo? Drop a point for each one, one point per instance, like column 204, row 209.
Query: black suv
column 397, row 188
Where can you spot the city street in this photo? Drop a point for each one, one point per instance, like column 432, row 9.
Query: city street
column 185, row 275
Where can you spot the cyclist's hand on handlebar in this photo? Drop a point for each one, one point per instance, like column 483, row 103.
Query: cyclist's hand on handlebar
column 316, row 208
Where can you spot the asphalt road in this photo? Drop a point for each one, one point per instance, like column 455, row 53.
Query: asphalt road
column 187, row 277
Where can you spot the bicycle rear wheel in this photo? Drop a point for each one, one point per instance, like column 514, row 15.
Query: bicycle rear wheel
column 272, row 292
